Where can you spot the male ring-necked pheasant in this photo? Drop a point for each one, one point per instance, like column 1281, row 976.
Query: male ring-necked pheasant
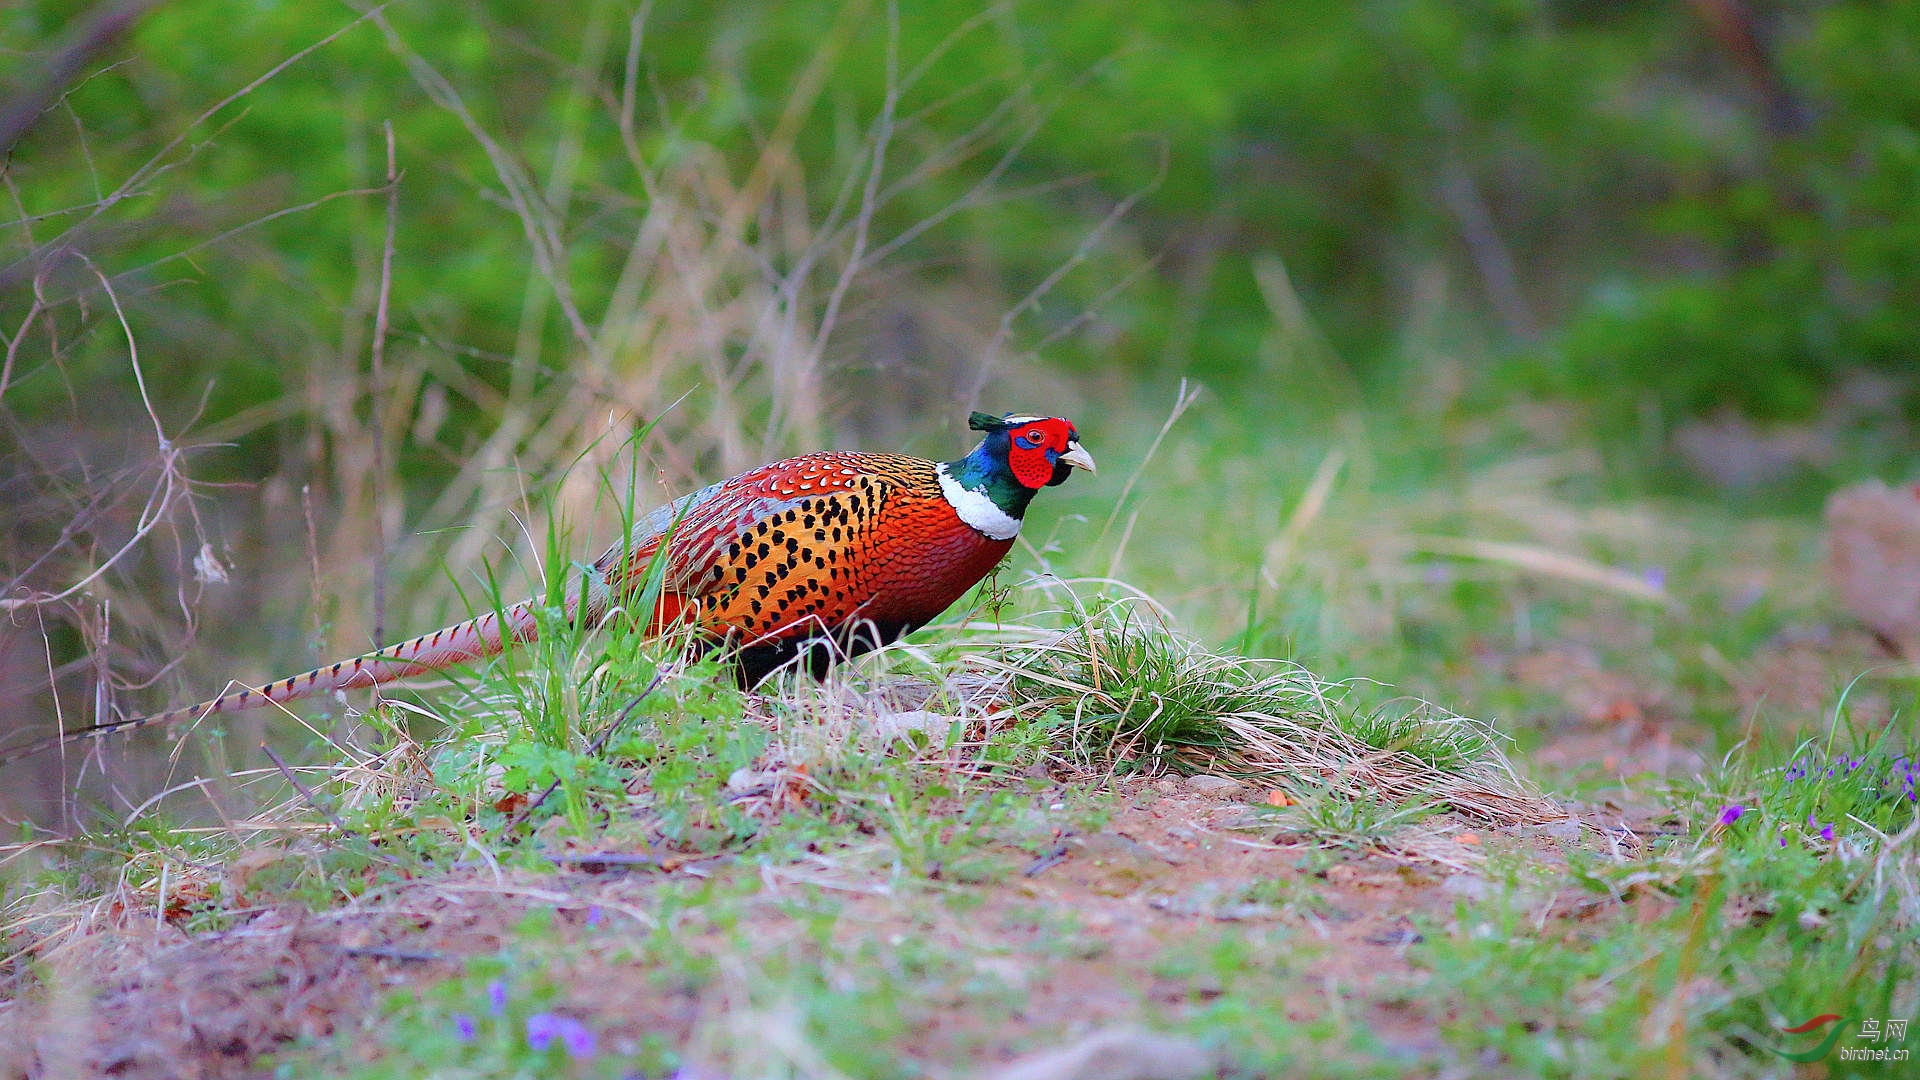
column 822, row 555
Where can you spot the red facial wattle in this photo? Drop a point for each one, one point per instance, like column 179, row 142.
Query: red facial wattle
column 1028, row 451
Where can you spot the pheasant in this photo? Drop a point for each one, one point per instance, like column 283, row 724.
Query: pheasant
column 825, row 555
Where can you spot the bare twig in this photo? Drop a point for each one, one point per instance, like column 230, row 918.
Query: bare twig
column 1491, row 256
column 332, row 818
column 170, row 486
column 264, row 219
column 154, row 165
column 1183, row 400
column 599, row 862
column 281, row 764
column 863, row 221
column 375, row 409
column 536, row 220
column 1053, row 857
column 1735, row 30
column 19, row 336
column 1080, row 253
column 383, row 952
column 976, row 194
column 107, row 25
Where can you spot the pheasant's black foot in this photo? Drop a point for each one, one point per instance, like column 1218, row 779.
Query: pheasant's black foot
column 815, row 654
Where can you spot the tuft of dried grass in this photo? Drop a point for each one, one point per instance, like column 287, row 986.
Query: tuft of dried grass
column 1133, row 695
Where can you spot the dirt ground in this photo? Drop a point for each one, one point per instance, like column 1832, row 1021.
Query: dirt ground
column 1069, row 930
column 139, row 998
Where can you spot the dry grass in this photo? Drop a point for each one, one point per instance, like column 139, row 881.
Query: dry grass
column 1133, row 694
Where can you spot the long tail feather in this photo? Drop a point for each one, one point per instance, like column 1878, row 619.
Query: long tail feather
column 474, row 639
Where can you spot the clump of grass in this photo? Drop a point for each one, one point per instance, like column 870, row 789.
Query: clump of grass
column 1769, row 893
column 1338, row 821
column 1133, row 696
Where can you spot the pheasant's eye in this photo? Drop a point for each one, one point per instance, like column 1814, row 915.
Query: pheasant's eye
column 1034, row 437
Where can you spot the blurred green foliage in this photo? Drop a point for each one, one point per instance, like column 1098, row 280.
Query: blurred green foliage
column 1798, row 251
column 1625, row 200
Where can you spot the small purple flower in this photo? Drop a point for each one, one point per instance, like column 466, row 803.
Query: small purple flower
column 497, row 997
column 1732, row 814
column 463, row 1026
column 576, row 1037
column 1827, row 834
column 593, row 915
column 542, row 1029
column 1655, row 577
column 1783, row 841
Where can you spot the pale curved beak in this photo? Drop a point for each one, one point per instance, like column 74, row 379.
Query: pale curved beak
column 1078, row 457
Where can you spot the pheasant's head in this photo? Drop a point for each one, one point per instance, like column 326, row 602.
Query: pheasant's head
column 1038, row 450
column 990, row 488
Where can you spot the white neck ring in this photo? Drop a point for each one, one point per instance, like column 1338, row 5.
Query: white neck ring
column 977, row 508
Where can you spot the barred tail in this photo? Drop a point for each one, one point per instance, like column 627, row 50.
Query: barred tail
column 474, row 639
